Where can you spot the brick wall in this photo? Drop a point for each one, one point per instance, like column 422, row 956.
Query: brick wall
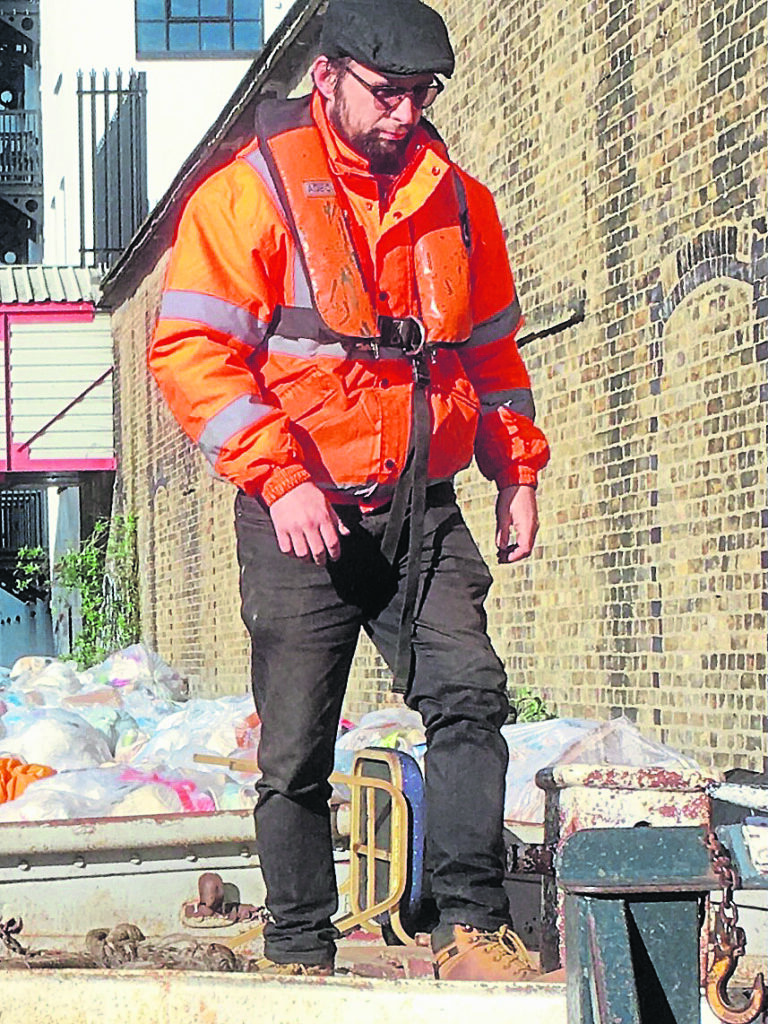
column 625, row 143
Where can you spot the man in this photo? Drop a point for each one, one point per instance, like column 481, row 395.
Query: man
column 337, row 333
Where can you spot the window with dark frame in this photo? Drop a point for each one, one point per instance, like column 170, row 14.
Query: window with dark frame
column 199, row 28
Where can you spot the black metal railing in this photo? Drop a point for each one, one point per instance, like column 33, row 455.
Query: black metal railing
column 112, row 123
column 20, row 147
column 23, row 519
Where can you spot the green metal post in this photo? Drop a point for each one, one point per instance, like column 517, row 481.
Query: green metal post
column 633, row 909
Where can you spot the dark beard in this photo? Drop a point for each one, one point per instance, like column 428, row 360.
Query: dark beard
column 385, row 156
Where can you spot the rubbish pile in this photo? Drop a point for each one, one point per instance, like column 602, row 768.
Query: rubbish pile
column 120, row 739
column 124, row 738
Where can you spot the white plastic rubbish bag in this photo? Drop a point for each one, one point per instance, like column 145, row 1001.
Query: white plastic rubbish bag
column 82, row 793
column 44, row 682
column 620, row 742
column 57, row 738
column 397, row 728
column 199, row 727
column 137, row 667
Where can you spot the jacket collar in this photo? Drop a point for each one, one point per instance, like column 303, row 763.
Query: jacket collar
column 425, row 166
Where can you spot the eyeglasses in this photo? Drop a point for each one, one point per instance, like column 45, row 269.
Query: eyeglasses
column 389, row 97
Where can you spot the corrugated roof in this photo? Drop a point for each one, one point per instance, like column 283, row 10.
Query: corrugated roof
column 32, row 282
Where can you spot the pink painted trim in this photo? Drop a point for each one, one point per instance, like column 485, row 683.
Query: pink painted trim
column 69, row 312
column 5, row 332
column 22, row 463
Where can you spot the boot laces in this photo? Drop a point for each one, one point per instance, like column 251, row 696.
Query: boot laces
column 506, row 948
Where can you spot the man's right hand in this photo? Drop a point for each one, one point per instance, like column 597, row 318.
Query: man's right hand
column 307, row 527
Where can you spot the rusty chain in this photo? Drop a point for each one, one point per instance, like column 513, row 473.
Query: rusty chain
column 122, row 946
column 727, row 936
column 729, row 878
column 720, row 858
column 728, row 945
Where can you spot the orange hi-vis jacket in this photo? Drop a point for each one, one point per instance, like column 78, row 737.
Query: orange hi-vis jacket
column 269, row 348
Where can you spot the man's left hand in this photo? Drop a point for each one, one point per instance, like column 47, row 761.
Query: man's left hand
column 516, row 511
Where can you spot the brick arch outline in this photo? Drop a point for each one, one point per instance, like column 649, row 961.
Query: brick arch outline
column 711, row 255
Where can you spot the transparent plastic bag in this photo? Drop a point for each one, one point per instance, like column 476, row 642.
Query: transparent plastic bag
column 183, row 792
column 137, row 667
column 199, row 727
column 620, row 742
column 112, row 723
column 44, row 682
column 52, row 736
column 81, row 793
column 573, row 741
column 32, row 663
column 533, row 746
column 397, row 728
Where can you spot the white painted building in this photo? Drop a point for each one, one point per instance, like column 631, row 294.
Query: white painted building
column 184, row 94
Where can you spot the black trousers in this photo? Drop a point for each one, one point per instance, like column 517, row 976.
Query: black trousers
column 304, row 622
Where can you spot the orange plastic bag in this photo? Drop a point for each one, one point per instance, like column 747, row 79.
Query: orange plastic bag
column 15, row 776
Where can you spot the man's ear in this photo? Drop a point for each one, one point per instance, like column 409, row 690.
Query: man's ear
column 323, row 77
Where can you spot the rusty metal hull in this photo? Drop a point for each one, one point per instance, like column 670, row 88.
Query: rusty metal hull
column 64, row 878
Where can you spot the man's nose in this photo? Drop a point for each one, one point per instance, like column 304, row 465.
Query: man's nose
column 406, row 112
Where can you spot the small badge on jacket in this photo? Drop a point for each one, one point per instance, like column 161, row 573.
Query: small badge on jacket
column 318, row 189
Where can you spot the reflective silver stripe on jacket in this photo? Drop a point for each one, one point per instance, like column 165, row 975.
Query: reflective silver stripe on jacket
column 259, row 164
column 516, row 399
column 218, row 314
column 309, row 348
column 498, row 326
column 301, row 288
column 359, row 492
column 244, row 411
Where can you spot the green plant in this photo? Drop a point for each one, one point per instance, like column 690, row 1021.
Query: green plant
column 530, row 707
column 104, row 571
column 31, row 574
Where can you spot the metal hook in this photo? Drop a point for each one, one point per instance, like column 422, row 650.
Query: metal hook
column 727, row 953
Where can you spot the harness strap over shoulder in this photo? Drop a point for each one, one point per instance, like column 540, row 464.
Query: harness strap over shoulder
column 332, row 303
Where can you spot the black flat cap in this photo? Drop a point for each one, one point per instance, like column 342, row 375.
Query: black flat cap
column 395, row 37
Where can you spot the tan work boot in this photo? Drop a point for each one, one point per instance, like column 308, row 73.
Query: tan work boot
column 266, row 966
column 475, row 955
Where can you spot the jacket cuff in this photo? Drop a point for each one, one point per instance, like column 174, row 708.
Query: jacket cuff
column 517, row 475
column 282, row 481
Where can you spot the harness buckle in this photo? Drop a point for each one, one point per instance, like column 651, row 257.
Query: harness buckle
column 406, row 333
column 409, row 335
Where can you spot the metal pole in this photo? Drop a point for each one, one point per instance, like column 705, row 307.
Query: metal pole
column 81, row 163
column 132, row 86
column 119, row 161
column 142, row 138
column 93, row 164
column 105, row 251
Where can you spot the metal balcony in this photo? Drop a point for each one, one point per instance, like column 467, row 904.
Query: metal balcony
column 20, row 147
